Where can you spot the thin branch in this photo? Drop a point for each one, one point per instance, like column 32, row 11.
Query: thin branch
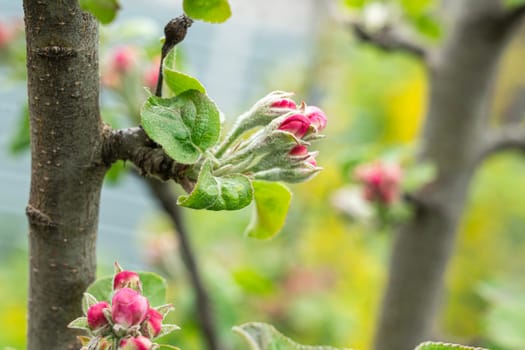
column 174, row 32
column 389, row 40
column 514, row 16
column 515, row 111
column 504, row 139
column 163, row 193
column 132, row 144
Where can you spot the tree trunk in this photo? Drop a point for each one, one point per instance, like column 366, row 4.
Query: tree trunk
column 67, row 172
column 461, row 76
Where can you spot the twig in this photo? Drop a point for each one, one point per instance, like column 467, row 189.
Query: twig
column 163, row 193
column 504, row 139
column 174, row 32
column 132, row 144
column 389, row 40
column 514, row 16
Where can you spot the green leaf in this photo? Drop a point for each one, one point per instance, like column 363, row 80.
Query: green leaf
column 167, row 329
column 262, row 336
column 179, row 82
column 445, row 346
column 168, row 347
column 416, row 7
column 355, row 4
column 79, row 323
column 213, row 11
column 418, row 175
column 185, row 125
column 513, row 3
column 428, row 25
column 104, row 10
column 272, row 201
column 153, row 286
column 87, row 301
column 230, row 192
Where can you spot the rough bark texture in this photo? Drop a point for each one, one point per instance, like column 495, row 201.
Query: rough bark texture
column 67, row 171
column 461, row 76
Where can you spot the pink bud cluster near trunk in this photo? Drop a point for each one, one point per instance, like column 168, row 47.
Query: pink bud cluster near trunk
column 95, row 315
column 381, row 182
column 127, row 279
column 300, row 125
column 152, row 324
column 129, row 307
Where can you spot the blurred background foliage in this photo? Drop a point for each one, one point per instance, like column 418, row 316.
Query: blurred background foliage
column 320, row 281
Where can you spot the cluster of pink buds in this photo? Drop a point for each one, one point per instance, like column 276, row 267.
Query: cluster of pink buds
column 279, row 151
column 128, row 322
column 381, row 181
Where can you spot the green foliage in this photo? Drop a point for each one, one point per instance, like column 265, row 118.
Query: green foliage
column 514, row 3
column 444, row 346
column 229, row 192
column 20, row 140
column 213, row 11
column 418, row 175
column 179, row 82
column 185, row 125
column 262, row 336
column 355, row 3
column 272, row 201
column 79, row 323
column 154, row 288
column 505, row 319
column 104, row 10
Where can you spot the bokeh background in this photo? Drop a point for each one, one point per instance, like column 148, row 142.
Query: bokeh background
column 319, row 281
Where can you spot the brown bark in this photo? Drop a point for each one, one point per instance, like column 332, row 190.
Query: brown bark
column 461, row 78
column 67, row 172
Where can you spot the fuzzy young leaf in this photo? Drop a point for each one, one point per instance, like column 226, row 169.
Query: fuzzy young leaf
column 87, row 301
column 104, row 10
column 185, row 125
column 167, row 329
column 213, row 11
column 153, row 285
column 167, row 347
column 230, row 192
column 272, row 201
column 164, row 309
column 445, row 346
column 262, row 336
column 179, row 82
column 79, row 323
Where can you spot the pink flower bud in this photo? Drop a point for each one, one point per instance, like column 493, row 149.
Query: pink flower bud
column 95, row 315
column 296, row 124
column 152, row 324
column 299, row 150
column 311, row 160
column 123, row 59
column 127, row 279
column 284, row 103
column 316, row 117
column 135, row 343
column 129, row 307
column 380, row 181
